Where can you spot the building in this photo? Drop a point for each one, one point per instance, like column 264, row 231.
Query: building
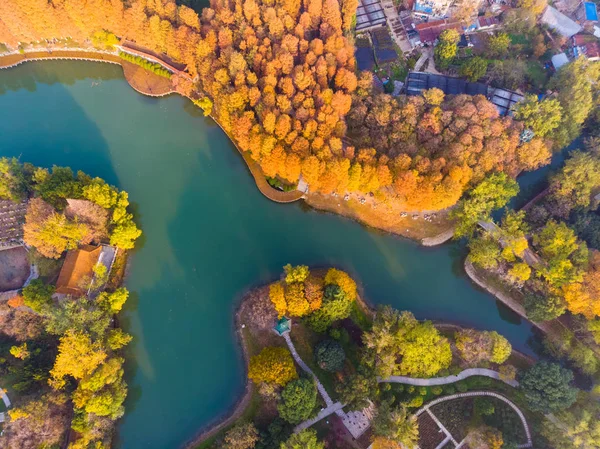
column 487, row 23
column 586, row 45
column 76, row 273
column 431, row 8
column 503, row 99
column 417, row 82
column 430, row 31
column 587, row 12
column 560, row 23
column 559, row 60
column 369, row 15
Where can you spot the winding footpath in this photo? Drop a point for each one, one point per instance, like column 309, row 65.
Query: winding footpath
column 434, row 381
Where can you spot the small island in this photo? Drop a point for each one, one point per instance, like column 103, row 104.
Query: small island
column 64, row 241
column 325, row 370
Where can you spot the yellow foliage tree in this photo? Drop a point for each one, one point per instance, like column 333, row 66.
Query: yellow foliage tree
column 297, row 305
column 277, row 297
column 343, row 279
column 272, row 365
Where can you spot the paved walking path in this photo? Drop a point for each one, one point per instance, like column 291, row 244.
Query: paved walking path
column 449, row 379
column 322, row 414
column 305, row 367
column 427, row 407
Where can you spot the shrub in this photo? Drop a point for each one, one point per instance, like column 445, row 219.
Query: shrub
column 415, row 402
column 144, row 63
column 449, row 389
column 330, row 355
column 437, row 390
column 461, row 387
column 423, row 391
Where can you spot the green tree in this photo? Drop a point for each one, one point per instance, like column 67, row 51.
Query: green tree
column 330, row 355
column 57, row 185
column 574, row 184
column 497, row 45
column 298, row 401
column 447, row 47
column 13, row 185
column 99, row 192
column 307, row 439
column 125, row 234
column 38, row 296
column 541, row 116
column 484, row 251
column 336, row 306
column 299, row 273
column 492, row 193
column 399, row 344
column 81, row 315
column 474, row 68
column 241, row 436
column 114, row 301
column 565, row 256
column 574, row 83
column 358, row 389
column 396, row 424
column 274, row 365
column 547, row 387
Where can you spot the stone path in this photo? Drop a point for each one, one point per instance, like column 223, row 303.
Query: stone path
column 449, row 379
column 322, row 414
column 426, row 409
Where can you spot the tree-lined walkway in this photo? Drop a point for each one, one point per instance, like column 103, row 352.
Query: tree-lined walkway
column 434, row 381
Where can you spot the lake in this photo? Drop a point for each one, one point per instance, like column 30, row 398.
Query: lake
column 209, row 235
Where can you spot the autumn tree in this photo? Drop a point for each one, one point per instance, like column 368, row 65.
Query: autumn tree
column 584, row 297
column 306, row 439
column 497, row 45
column 38, row 296
column 49, row 232
column 274, row 365
column 477, row 347
column 77, row 357
column 574, row 184
column 241, row 436
column 447, row 47
column 484, row 251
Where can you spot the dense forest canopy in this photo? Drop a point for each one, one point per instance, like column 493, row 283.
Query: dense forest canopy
column 280, row 77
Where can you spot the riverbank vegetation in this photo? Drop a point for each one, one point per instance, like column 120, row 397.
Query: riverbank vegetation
column 352, row 350
column 62, row 354
column 284, row 74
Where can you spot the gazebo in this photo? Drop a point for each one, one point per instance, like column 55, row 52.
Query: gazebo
column 283, row 326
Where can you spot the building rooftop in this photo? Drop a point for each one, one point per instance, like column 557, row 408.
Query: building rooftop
column 504, row 100
column 283, row 326
column 559, row 60
column 78, row 266
column 369, row 14
column 430, row 31
column 562, row 24
column 12, row 218
column 591, row 11
column 417, row 82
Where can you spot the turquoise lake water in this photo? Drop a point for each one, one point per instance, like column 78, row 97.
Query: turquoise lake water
column 209, row 235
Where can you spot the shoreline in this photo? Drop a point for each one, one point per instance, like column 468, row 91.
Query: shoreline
column 93, row 55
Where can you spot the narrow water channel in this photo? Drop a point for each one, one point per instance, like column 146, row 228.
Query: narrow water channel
column 209, row 235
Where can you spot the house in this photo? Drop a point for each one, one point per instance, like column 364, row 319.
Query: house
column 559, row 60
column 430, row 31
column 560, row 23
column 504, row 100
column 77, row 271
column 586, row 45
column 487, row 23
column 587, row 12
column 431, row 8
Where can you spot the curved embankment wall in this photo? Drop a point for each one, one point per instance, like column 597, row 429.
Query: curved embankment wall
column 15, row 59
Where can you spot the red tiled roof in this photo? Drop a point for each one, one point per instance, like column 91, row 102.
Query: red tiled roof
column 78, row 264
column 430, row 31
column 488, row 21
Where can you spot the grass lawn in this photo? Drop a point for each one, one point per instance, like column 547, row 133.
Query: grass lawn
column 536, row 74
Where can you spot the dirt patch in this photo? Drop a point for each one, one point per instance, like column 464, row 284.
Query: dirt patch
column 14, row 268
column 385, row 216
column 146, row 82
